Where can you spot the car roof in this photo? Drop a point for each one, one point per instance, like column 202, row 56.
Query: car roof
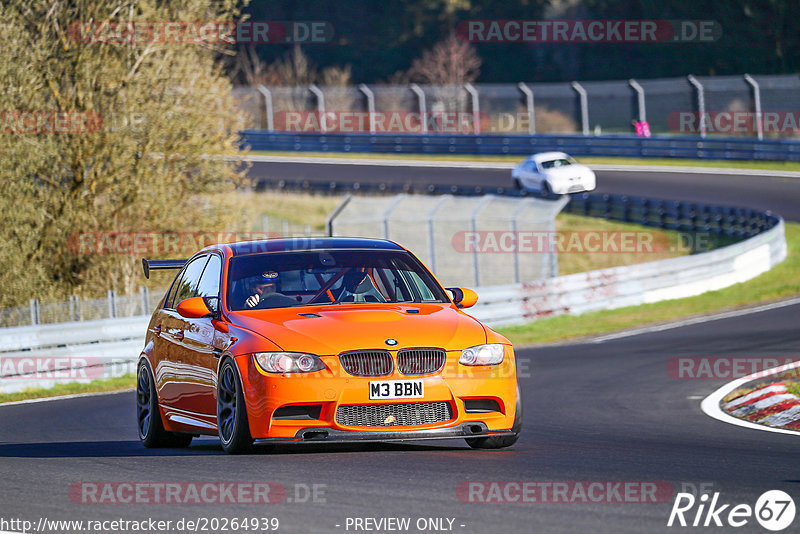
column 242, row 248
column 547, row 156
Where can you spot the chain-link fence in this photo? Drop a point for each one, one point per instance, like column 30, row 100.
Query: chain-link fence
column 77, row 309
column 465, row 241
column 748, row 106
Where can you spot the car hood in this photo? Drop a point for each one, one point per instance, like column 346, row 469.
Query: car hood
column 346, row 327
column 571, row 171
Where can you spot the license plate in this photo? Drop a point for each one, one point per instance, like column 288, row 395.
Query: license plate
column 396, row 389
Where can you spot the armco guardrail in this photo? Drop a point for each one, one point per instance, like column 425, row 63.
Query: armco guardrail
column 634, row 284
column 577, row 145
column 673, row 214
column 44, row 355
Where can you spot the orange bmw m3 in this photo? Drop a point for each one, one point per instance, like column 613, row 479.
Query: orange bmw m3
column 320, row 339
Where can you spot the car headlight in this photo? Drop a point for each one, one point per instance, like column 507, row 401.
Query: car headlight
column 288, row 362
column 490, row 354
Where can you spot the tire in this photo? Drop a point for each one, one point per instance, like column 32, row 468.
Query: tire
column 501, row 442
column 150, row 426
column 546, row 192
column 518, row 184
column 232, row 425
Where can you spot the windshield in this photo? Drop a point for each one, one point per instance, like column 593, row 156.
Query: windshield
column 555, row 163
column 280, row 280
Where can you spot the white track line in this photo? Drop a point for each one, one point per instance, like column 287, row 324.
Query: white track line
column 711, row 404
column 500, row 165
column 63, row 397
column 696, row 320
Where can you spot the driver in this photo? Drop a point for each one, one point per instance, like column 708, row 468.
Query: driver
column 267, row 284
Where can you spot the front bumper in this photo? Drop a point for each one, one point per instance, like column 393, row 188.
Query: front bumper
column 331, row 389
column 327, row 434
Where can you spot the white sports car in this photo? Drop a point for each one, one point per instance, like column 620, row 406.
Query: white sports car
column 553, row 173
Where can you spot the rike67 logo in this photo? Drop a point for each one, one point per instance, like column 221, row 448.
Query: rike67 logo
column 774, row 510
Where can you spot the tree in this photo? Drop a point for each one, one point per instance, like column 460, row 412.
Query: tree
column 161, row 118
column 449, row 62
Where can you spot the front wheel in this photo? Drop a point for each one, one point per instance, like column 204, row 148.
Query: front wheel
column 501, row 442
column 234, row 430
column 151, row 428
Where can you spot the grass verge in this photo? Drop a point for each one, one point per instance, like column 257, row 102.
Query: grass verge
column 781, row 281
column 127, row 381
column 673, row 162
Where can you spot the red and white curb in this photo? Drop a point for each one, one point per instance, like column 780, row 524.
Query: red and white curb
column 771, row 407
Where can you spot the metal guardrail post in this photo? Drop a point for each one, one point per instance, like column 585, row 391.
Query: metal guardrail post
column 145, row 300
column 552, row 253
column 431, row 241
column 268, row 105
column 514, row 228
column 35, row 317
column 370, row 105
column 423, row 110
column 74, row 308
column 320, row 106
column 584, row 106
column 474, row 228
column 701, row 103
column 639, row 99
column 529, row 105
column 112, row 304
column 335, row 213
column 757, row 104
column 388, row 212
column 476, row 112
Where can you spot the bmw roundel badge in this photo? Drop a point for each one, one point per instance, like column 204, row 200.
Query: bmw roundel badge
column 391, row 342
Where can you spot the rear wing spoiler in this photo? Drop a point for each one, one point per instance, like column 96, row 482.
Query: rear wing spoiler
column 147, row 265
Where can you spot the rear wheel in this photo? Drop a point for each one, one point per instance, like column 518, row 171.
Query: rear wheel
column 501, row 442
column 151, row 428
column 234, row 430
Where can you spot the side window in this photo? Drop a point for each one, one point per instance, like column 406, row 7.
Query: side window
column 172, row 290
column 187, row 285
column 209, row 282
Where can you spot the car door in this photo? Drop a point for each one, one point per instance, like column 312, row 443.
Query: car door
column 537, row 174
column 202, row 346
column 530, row 175
column 169, row 363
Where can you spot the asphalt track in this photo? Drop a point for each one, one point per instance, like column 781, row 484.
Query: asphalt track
column 593, row 412
column 605, row 411
column 781, row 195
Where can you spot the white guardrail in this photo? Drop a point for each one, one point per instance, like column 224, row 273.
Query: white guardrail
column 43, row 355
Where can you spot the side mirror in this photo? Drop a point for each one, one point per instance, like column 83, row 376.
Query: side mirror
column 193, row 308
column 463, row 297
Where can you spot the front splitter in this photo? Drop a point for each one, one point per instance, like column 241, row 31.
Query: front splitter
column 331, row 435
